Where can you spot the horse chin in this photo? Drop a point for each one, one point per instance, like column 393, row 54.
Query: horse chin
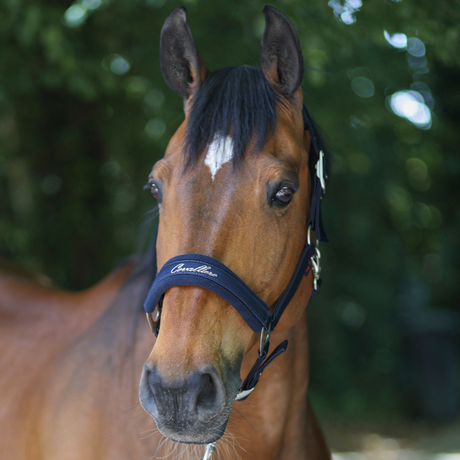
column 202, row 434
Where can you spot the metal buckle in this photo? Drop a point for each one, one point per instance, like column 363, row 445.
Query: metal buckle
column 316, row 267
column 264, row 338
column 320, row 170
column 315, row 260
column 153, row 323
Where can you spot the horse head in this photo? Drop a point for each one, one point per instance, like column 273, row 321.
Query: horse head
column 234, row 185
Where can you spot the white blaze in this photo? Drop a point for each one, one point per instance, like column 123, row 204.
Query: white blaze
column 220, row 151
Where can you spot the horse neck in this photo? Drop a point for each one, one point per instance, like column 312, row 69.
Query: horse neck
column 120, row 335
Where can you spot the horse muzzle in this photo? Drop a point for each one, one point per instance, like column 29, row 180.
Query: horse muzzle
column 190, row 409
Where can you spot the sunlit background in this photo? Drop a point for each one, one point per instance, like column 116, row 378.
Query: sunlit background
column 84, row 114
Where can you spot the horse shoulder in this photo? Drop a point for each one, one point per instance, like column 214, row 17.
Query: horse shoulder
column 38, row 324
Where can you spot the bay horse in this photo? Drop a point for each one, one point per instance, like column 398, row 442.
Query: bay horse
column 236, row 186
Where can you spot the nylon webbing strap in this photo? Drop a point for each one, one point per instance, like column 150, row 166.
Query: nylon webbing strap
column 209, row 273
column 316, row 219
column 206, row 272
column 254, row 374
column 291, row 289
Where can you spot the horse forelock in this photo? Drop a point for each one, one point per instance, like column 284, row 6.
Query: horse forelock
column 236, row 105
column 236, row 101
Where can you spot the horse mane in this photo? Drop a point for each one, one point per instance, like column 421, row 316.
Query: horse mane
column 237, row 101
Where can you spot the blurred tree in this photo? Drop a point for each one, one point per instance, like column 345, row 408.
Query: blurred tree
column 84, row 113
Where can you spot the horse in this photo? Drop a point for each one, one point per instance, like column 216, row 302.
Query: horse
column 236, row 186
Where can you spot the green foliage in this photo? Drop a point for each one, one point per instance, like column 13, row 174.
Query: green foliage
column 84, row 114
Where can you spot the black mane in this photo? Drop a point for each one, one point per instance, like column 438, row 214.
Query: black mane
column 236, row 100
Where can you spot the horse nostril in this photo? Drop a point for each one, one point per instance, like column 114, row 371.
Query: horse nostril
column 147, row 390
column 210, row 397
column 207, row 395
column 150, row 377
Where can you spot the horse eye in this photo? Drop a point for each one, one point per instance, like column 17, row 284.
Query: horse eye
column 284, row 196
column 154, row 190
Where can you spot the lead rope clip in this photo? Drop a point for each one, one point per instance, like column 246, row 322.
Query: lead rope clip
column 210, row 448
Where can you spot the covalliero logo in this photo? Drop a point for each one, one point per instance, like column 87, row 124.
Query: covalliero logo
column 201, row 269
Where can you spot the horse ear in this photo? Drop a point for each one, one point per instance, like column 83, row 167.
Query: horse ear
column 182, row 66
column 282, row 60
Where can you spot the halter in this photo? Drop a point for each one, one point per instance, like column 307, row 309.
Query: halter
column 213, row 275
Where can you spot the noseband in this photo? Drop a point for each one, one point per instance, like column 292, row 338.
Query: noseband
column 209, row 273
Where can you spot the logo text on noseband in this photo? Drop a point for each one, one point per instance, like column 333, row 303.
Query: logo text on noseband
column 201, row 269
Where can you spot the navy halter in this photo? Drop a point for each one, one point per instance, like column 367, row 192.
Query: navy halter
column 209, row 273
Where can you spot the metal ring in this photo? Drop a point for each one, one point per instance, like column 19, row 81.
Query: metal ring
column 308, row 235
column 264, row 340
column 153, row 323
